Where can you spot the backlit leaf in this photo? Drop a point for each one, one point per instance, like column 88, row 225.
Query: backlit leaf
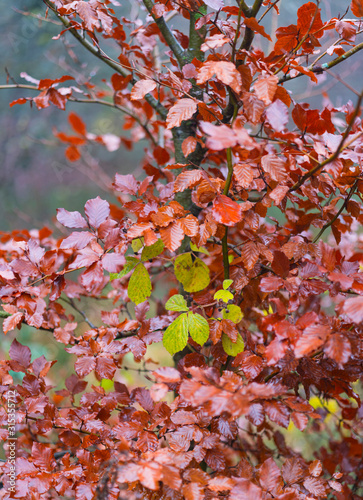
column 152, row 251
column 198, row 328
column 234, row 313
column 226, row 211
column 193, row 275
column 139, row 288
column 225, row 71
column 232, row 348
column 176, row 303
column 175, row 337
column 131, row 262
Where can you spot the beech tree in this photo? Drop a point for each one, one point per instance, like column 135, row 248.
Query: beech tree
column 239, row 251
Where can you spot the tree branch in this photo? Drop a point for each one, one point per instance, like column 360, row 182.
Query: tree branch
column 328, row 65
column 335, row 155
column 90, row 101
column 170, row 39
column 98, row 52
column 330, row 223
column 225, row 192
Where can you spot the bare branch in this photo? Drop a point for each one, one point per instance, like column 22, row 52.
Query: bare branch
column 328, row 65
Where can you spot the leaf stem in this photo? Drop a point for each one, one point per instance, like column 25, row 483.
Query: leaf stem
column 225, row 237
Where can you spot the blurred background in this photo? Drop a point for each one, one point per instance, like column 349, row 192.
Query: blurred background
column 35, row 176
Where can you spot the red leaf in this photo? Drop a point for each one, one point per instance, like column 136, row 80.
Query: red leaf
column 167, row 374
column 97, row 211
column 270, row 475
column 277, row 412
column 57, row 98
column 85, row 365
column 251, row 23
column 22, row 100
column 357, row 8
column 226, row 211
column 72, row 153
column 46, row 83
column 71, row 219
column 77, row 123
column 20, row 353
column 182, row 110
column 280, row 264
column 42, row 457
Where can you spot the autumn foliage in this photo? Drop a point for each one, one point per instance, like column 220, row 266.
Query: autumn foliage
column 239, row 251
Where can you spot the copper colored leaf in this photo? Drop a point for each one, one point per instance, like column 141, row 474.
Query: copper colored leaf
column 249, row 254
column 187, row 179
column 277, row 412
column 141, row 88
column 253, row 107
column 167, row 374
column 274, row 166
column 105, row 368
column 172, row 236
column 225, row 71
column 280, row 264
column 266, row 87
column 189, row 145
column 219, row 137
column 125, row 184
column 338, row 348
column 12, row 322
column 243, row 174
column 315, row 486
column 270, row 476
column 226, row 211
column 20, row 353
column 97, row 211
column 353, row 308
column 300, row 420
column 182, row 110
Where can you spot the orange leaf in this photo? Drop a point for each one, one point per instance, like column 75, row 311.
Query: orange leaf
column 172, row 236
column 225, row 71
column 187, row 179
column 265, row 88
column 226, row 211
column 357, row 8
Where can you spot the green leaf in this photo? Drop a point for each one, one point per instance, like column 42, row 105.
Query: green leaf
column 176, row 303
column 139, row 288
column 137, row 244
column 198, row 328
column 227, row 284
column 194, row 276
column 176, row 335
column 131, row 262
column 224, row 295
column 235, row 314
column 232, row 348
column 194, row 248
column 152, row 251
